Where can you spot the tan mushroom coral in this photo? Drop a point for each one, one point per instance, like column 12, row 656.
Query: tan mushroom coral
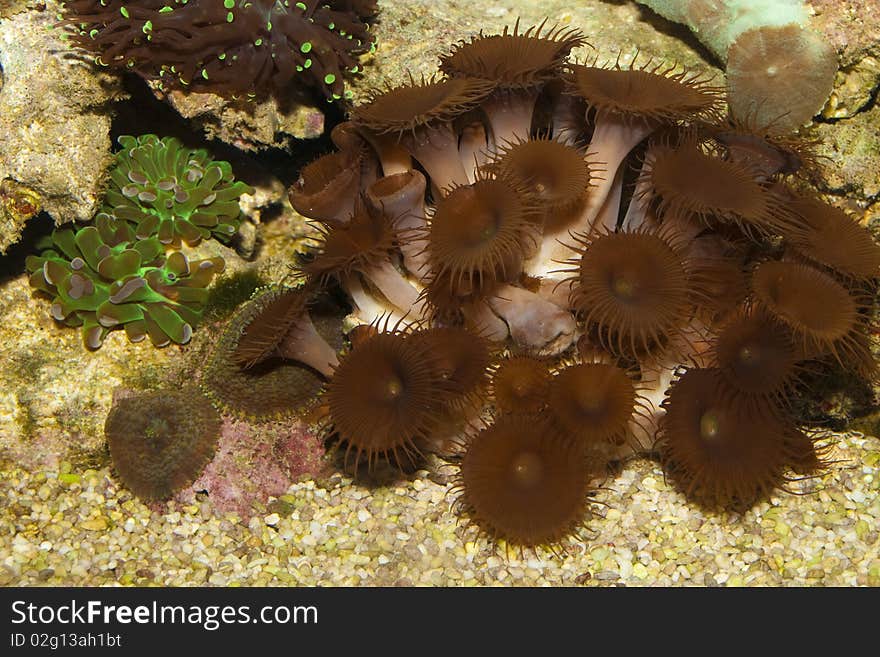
column 779, row 71
column 780, row 76
column 160, row 441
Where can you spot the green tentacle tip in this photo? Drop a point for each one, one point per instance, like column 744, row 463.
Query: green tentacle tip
column 174, row 193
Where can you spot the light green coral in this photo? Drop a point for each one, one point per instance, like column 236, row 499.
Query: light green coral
column 719, row 22
column 172, row 192
column 103, row 277
column 779, row 72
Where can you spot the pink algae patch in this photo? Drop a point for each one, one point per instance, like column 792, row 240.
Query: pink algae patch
column 255, row 462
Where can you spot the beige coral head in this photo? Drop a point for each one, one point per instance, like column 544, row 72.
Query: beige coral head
column 781, row 76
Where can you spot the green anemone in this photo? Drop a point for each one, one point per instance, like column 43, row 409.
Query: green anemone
column 173, row 193
column 103, row 277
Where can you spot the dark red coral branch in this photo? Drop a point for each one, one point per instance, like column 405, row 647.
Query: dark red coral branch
column 227, row 47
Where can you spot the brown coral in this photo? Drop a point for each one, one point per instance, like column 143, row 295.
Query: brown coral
column 684, row 180
column 593, row 402
column 557, row 175
column 160, row 441
column 415, row 118
column 720, row 448
column 828, row 236
column 480, row 234
column 327, row 188
column 756, row 355
column 513, row 59
column 385, row 396
column 633, row 288
column 525, row 484
column 274, row 387
column 281, row 326
column 820, row 312
column 508, row 226
column 518, row 64
column 520, row 384
column 462, row 360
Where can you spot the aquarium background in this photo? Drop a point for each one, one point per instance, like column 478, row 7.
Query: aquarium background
column 270, row 501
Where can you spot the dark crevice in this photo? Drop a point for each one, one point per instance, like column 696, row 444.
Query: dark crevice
column 867, row 106
column 144, row 113
column 850, row 193
column 677, row 31
column 12, row 262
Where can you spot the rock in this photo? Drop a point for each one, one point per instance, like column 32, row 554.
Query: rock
column 853, row 149
column 607, row 575
column 98, row 524
column 854, row 89
column 250, row 125
column 412, row 33
column 54, row 134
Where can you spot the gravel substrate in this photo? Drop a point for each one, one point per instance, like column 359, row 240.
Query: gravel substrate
column 84, row 529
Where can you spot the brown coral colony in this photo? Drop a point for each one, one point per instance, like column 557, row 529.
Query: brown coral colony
column 485, row 209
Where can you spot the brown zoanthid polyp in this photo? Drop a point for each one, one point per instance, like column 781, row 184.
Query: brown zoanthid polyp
column 524, row 483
